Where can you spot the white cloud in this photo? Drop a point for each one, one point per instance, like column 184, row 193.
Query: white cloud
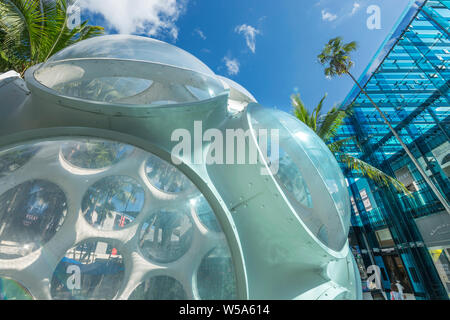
column 249, row 33
column 327, row 16
column 200, row 33
column 356, row 7
column 150, row 17
column 232, row 66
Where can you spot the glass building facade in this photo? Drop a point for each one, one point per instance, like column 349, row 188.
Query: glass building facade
column 409, row 79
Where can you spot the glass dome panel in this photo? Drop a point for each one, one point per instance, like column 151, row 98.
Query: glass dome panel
column 166, row 236
column 30, row 215
column 95, row 154
column 113, row 202
column 288, row 174
column 328, row 220
column 13, row 290
column 205, row 213
column 11, row 161
column 91, row 270
column 104, row 89
column 129, row 47
column 128, row 70
column 215, row 276
column 329, row 168
column 238, row 92
column 165, row 176
column 159, row 288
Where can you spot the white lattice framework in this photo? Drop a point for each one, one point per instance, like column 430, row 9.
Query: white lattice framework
column 35, row 270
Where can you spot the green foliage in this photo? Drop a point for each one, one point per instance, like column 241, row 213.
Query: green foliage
column 365, row 169
column 94, row 155
column 32, row 30
column 327, row 126
column 301, row 112
column 336, row 57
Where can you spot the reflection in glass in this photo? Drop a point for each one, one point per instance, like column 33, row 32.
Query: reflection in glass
column 10, row 160
column 90, row 271
column 166, row 236
column 113, row 202
column 95, row 154
column 289, row 177
column 326, row 164
column 215, row 276
column 13, row 290
column 159, row 288
column 165, row 176
column 304, row 157
column 89, row 70
column 104, row 89
column 30, row 215
column 287, row 174
column 205, row 213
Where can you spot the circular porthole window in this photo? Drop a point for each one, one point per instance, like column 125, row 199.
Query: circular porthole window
column 13, row 290
column 95, row 154
column 159, row 288
column 30, row 215
column 166, row 236
column 92, row 270
column 166, row 177
column 215, row 276
column 113, row 202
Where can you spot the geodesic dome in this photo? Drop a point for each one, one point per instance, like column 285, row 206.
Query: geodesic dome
column 93, row 205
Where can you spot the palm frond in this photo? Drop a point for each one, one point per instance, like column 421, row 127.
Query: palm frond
column 351, row 46
column 318, row 111
column 329, row 127
column 300, row 111
column 336, row 146
column 376, row 175
column 33, row 30
column 23, row 21
column 335, row 56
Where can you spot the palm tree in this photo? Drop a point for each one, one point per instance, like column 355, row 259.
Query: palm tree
column 327, row 127
column 33, row 30
column 337, row 61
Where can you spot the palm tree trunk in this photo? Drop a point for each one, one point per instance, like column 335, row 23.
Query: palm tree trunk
column 405, row 147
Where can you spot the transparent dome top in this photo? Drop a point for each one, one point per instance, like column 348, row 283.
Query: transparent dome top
column 129, row 70
column 129, row 47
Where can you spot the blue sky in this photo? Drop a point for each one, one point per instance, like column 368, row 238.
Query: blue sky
column 269, row 47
